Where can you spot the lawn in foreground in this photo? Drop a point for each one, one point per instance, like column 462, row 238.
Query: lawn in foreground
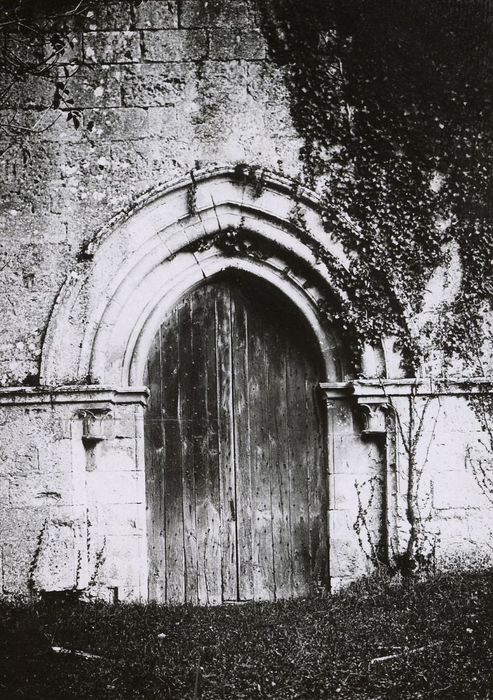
column 438, row 635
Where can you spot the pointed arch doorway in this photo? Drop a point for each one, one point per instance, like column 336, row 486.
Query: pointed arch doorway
column 235, row 463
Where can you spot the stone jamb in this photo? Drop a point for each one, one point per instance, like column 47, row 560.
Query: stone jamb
column 372, row 401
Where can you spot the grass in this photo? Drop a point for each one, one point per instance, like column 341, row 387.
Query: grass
column 440, row 633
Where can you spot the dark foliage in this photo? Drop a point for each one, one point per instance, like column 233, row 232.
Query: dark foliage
column 394, row 101
column 439, row 633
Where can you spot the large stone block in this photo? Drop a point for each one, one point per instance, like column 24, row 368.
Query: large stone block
column 341, row 524
column 164, row 121
column 353, row 454
column 121, row 519
column 55, row 456
column 444, row 450
column 125, row 425
column 350, row 492
column 61, row 561
column 456, row 414
column 171, row 45
column 34, row 92
column 111, row 47
column 130, row 160
column 215, row 13
column 83, row 166
column 21, row 536
column 116, row 455
column 157, row 85
column 347, row 559
column 22, row 49
column 109, row 16
column 123, row 560
column 222, row 88
column 228, row 44
column 125, row 124
column 97, row 86
column 107, row 487
column 341, row 417
column 23, row 524
column 40, row 53
column 156, row 14
column 31, row 167
column 19, row 460
column 34, row 490
column 465, row 540
column 457, row 490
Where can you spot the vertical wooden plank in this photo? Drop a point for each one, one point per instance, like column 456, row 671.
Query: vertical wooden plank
column 206, row 449
column 173, row 481
column 190, row 410
column 241, row 415
column 154, row 460
column 226, row 448
column 279, row 471
column 262, row 553
column 300, row 542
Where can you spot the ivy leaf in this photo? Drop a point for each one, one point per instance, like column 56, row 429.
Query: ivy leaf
column 57, row 98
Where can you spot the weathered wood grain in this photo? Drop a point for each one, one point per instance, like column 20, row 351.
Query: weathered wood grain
column 206, row 453
column 279, row 468
column 242, row 412
column 189, row 406
column 173, row 472
column 298, row 473
column 260, row 415
column 227, row 464
column 234, row 450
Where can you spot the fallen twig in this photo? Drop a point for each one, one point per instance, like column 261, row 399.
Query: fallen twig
column 74, row 652
column 407, row 652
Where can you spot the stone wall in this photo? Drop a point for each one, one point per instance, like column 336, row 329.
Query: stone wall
column 168, row 90
column 409, row 460
column 72, row 493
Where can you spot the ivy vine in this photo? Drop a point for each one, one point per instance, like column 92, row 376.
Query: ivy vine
column 394, row 102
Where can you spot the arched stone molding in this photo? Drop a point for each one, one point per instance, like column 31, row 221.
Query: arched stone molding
column 147, row 258
column 205, row 268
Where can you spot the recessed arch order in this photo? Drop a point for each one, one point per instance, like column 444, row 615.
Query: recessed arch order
column 139, row 266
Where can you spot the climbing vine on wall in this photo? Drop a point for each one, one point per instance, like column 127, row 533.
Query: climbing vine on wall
column 394, row 102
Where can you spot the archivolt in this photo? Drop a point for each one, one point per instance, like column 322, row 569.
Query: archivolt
column 145, row 260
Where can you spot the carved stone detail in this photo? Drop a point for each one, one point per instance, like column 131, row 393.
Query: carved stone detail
column 375, row 413
column 96, row 425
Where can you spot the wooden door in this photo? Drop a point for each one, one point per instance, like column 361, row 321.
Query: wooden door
column 235, row 471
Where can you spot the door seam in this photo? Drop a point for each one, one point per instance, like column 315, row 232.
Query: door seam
column 234, row 446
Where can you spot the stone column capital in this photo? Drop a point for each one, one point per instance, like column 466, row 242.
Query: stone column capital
column 375, row 411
